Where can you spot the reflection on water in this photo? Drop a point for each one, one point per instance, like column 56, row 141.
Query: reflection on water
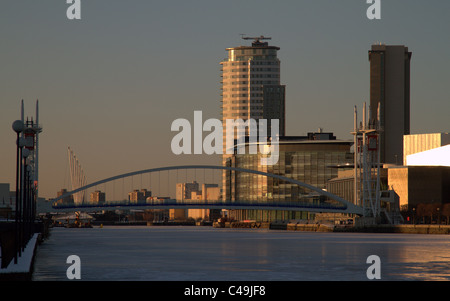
column 205, row 253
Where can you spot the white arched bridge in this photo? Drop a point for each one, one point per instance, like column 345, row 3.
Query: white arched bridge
column 327, row 203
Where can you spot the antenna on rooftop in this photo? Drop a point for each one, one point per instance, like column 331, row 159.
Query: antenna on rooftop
column 256, row 39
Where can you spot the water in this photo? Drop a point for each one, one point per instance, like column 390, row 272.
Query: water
column 206, row 253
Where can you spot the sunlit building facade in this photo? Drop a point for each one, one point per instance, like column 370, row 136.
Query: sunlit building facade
column 251, row 87
column 420, row 143
column 97, row 197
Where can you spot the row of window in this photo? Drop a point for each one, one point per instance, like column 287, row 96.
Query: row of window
column 243, row 95
column 258, row 82
column 252, row 115
column 255, row 70
column 246, row 89
column 243, row 101
column 259, row 63
column 253, row 75
column 247, row 58
column 243, row 108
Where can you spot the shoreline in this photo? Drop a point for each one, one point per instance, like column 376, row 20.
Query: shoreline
column 324, row 227
column 305, row 227
column 405, row 229
column 23, row 270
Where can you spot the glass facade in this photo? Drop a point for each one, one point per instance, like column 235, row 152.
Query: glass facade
column 305, row 161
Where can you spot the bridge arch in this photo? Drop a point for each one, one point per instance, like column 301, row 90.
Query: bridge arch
column 350, row 207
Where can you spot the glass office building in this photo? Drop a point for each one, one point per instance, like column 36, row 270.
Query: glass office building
column 300, row 158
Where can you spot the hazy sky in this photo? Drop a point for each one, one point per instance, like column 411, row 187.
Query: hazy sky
column 110, row 85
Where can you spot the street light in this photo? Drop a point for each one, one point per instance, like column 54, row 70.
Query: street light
column 24, row 185
column 18, row 127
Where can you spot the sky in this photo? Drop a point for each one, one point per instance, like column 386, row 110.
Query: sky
column 110, row 85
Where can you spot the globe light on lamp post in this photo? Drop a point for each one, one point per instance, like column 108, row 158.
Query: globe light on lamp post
column 18, row 127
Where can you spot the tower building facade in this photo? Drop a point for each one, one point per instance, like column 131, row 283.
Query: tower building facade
column 390, row 98
column 251, row 87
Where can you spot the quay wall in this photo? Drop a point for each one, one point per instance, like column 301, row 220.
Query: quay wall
column 328, row 227
column 412, row 229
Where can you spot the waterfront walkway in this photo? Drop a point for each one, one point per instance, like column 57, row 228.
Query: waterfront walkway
column 23, row 269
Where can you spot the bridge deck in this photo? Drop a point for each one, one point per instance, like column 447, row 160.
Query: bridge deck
column 251, row 205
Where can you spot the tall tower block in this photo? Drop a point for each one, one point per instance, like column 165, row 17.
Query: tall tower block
column 390, row 92
column 251, row 86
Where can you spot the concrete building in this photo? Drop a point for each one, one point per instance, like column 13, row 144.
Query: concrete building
column 251, row 87
column 97, row 197
column 6, row 204
column 196, row 196
column 4, row 195
column 190, row 192
column 177, row 214
column 390, row 92
column 343, row 184
column 426, row 149
column 424, row 180
column 139, row 196
column 184, row 190
column 420, row 185
column 64, row 201
column 426, row 177
column 209, row 192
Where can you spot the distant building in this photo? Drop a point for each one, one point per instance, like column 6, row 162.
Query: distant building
column 211, row 192
column 97, row 197
column 68, row 200
column 190, row 192
column 5, row 195
column 390, row 92
column 139, row 196
column 184, row 190
column 43, row 205
column 177, row 214
column 6, row 205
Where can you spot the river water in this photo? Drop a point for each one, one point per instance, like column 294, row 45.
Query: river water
column 194, row 253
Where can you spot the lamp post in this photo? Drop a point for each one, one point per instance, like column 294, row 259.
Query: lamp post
column 24, row 178
column 18, row 127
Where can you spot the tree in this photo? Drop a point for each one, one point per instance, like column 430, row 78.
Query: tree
column 446, row 211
